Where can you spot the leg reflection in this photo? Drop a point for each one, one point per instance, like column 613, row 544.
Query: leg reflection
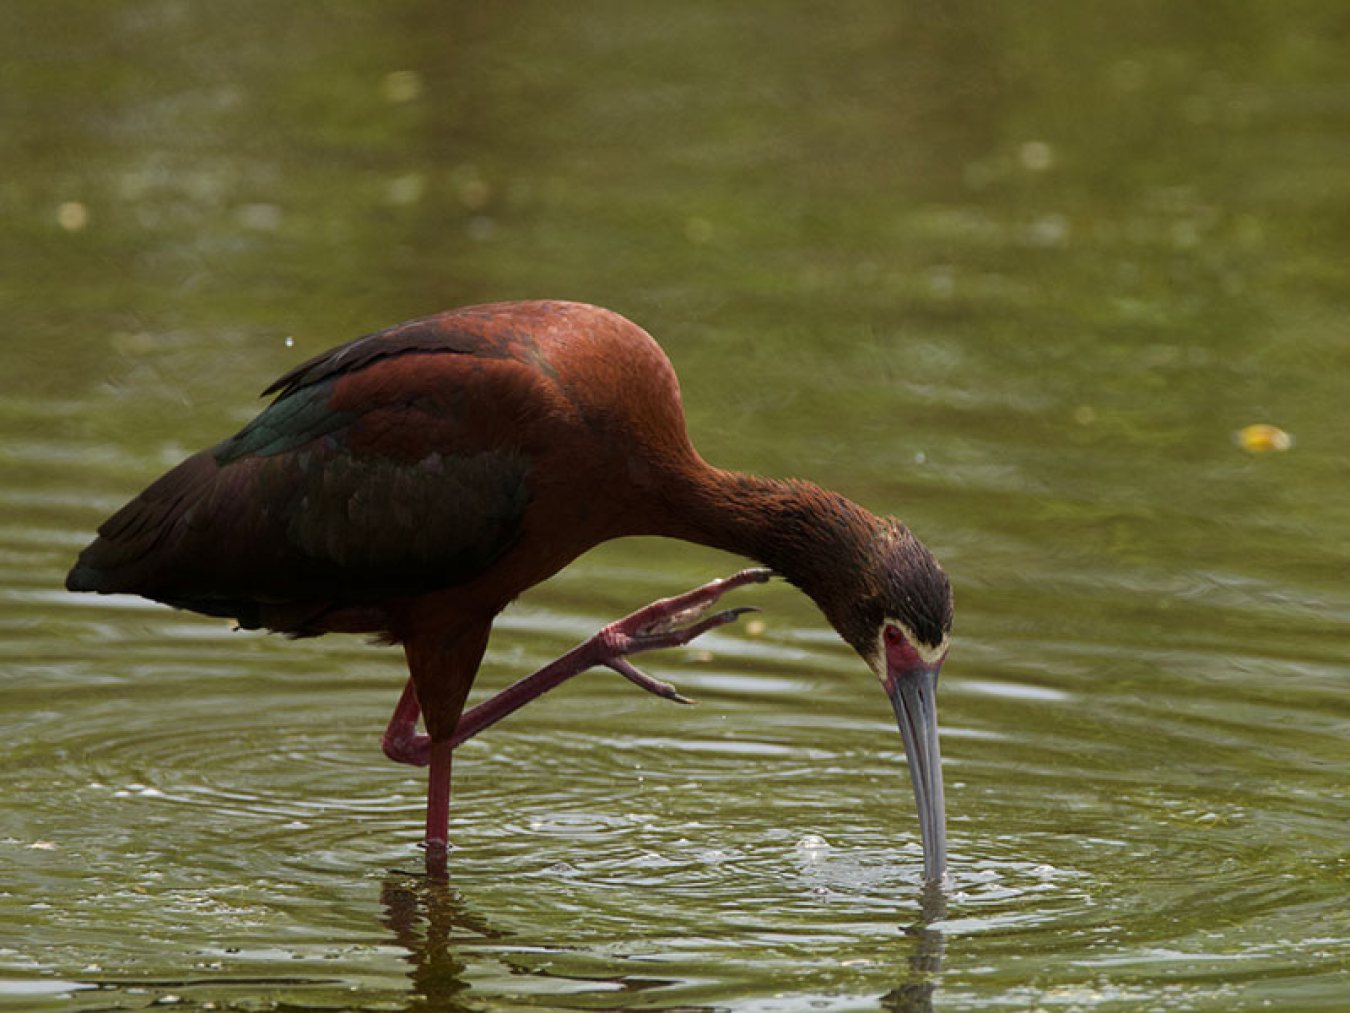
column 915, row 993
column 428, row 919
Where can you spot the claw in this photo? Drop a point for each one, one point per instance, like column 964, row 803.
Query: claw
column 669, row 632
column 641, row 679
column 728, row 616
column 668, row 611
column 712, row 622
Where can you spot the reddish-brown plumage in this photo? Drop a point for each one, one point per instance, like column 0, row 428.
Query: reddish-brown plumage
column 413, row 482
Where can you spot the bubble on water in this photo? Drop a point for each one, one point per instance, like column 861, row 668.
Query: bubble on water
column 812, row 846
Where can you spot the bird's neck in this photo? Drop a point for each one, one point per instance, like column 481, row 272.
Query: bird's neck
column 816, row 539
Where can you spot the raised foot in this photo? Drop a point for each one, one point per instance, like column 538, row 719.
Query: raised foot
column 670, row 622
column 666, row 623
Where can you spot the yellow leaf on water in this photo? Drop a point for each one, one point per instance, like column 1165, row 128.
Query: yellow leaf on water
column 1262, row 437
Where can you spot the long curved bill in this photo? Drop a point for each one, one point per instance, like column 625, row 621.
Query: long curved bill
column 913, row 693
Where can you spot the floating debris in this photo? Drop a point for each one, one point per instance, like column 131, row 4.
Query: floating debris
column 1261, row 438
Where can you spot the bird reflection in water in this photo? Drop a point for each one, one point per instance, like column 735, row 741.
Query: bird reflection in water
column 432, row 921
column 428, row 918
column 915, row 993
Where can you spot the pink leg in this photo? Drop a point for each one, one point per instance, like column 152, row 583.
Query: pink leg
column 401, row 743
column 647, row 629
column 438, row 800
column 655, row 626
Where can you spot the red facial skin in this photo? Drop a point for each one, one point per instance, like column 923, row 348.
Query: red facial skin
column 903, row 657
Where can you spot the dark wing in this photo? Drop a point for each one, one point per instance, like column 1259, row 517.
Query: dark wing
column 383, row 469
column 428, row 334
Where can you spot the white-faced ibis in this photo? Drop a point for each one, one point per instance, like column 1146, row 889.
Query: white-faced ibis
column 412, row 483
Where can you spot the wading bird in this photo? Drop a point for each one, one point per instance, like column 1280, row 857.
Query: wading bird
column 411, row 483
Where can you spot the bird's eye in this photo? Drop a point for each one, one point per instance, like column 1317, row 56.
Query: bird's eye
column 893, row 636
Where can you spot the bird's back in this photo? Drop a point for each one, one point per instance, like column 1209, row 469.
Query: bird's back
column 457, row 450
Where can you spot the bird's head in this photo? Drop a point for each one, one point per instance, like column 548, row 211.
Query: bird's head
column 882, row 591
column 898, row 617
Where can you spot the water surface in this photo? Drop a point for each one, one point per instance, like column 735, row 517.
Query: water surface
column 1014, row 275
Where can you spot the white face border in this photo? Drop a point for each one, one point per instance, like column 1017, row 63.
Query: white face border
column 928, row 655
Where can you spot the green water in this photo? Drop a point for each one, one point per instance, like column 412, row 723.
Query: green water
column 1015, row 272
